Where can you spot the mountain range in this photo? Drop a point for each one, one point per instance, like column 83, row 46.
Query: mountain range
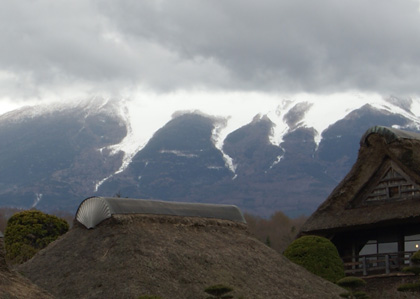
column 288, row 158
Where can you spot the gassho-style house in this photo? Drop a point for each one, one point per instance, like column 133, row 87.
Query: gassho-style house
column 373, row 215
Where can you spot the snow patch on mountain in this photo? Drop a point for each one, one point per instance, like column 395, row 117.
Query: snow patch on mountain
column 277, row 161
column 325, row 110
column 34, row 109
column 179, row 153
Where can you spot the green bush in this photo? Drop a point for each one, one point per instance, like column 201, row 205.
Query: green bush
column 219, row 291
column 360, row 295
column 412, row 287
column 28, row 232
column 414, row 270
column 415, row 258
column 351, row 282
column 318, row 255
column 409, row 287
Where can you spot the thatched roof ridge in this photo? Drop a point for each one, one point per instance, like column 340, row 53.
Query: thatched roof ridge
column 94, row 210
column 345, row 208
column 390, row 134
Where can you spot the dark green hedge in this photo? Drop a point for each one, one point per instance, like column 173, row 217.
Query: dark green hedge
column 29, row 231
column 415, row 258
column 219, row 291
column 409, row 287
column 414, row 270
column 351, row 282
column 318, row 255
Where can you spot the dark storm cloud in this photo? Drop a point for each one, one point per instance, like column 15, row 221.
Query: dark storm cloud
column 268, row 45
column 56, row 43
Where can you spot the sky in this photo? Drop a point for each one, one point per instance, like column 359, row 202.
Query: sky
column 67, row 50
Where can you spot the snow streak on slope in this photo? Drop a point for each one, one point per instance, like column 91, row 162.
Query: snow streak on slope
column 129, row 145
column 218, row 143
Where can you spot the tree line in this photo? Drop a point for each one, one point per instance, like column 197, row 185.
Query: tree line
column 277, row 232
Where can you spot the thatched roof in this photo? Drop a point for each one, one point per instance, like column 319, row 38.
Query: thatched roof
column 382, row 188
column 13, row 285
column 127, row 256
column 94, row 210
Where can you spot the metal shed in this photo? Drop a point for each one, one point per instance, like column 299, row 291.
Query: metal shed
column 94, row 210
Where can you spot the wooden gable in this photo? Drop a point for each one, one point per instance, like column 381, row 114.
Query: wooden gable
column 389, row 183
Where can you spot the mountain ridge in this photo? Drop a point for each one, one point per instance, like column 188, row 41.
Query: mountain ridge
column 280, row 160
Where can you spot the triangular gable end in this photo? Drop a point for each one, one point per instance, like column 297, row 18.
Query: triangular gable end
column 389, row 183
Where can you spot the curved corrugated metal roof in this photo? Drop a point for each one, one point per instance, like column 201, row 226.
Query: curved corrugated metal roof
column 390, row 134
column 94, row 210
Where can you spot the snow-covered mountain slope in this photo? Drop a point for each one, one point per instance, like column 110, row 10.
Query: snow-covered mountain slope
column 263, row 154
column 145, row 117
column 50, row 154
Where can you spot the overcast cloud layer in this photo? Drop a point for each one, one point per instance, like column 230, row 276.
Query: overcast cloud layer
column 56, row 48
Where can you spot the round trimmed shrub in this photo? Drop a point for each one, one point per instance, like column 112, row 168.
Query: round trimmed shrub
column 317, row 255
column 415, row 258
column 351, row 282
column 28, row 232
column 219, row 291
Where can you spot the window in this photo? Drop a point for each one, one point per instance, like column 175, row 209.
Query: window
column 394, row 192
column 412, row 243
column 375, row 247
column 371, row 247
column 390, row 247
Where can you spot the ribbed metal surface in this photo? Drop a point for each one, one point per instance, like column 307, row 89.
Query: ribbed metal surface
column 96, row 209
column 92, row 211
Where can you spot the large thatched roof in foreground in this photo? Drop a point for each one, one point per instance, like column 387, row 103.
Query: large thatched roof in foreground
column 382, row 188
column 170, row 256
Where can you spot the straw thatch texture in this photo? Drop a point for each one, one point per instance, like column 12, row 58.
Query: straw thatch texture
column 13, row 285
column 346, row 208
column 170, row 256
